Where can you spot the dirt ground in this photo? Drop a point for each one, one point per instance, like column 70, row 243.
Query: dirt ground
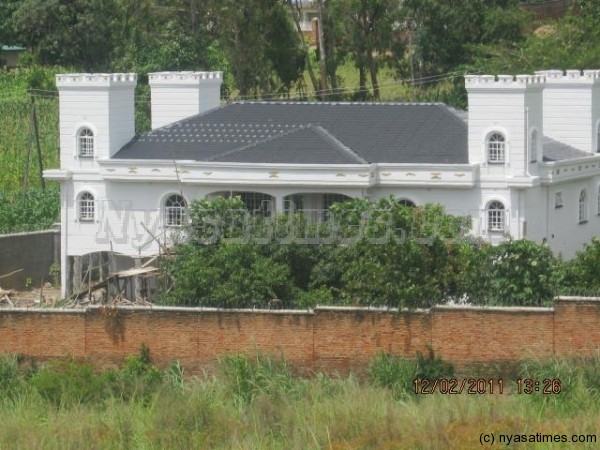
column 32, row 298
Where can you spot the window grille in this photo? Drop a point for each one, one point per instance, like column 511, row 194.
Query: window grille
column 496, row 217
column 496, row 148
column 86, row 207
column 86, row 143
column 175, row 211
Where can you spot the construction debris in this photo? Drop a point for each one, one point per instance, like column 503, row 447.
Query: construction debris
column 5, row 296
column 97, row 293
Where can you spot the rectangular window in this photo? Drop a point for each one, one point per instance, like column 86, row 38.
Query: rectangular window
column 496, row 220
column 86, row 210
column 558, row 203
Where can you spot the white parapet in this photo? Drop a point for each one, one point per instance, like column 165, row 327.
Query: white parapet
column 504, row 81
column 80, row 80
column 571, row 77
column 177, row 95
column 184, row 78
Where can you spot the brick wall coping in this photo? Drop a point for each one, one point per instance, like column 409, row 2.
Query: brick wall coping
column 30, row 233
column 37, row 309
column 382, row 309
column 201, row 309
column 509, row 309
column 576, row 299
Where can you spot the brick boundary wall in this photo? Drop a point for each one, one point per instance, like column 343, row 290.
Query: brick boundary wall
column 330, row 339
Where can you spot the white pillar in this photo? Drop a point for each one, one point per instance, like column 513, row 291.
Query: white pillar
column 279, row 203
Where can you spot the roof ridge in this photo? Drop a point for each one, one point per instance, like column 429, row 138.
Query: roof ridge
column 255, row 144
column 339, row 144
column 447, row 110
column 332, row 103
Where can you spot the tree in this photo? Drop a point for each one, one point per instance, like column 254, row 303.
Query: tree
column 573, row 41
column 260, row 43
column 295, row 8
column 580, row 275
column 166, row 35
column 370, row 32
column 7, row 33
column 514, row 273
column 446, row 32
column 63, row 32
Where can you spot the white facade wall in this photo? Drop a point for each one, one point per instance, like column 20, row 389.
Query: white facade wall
column 572, row 107
column 565, row 234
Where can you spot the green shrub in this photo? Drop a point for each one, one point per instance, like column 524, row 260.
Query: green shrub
column 578, row 381
column 514, row 273
column 392, row 372
column 68, row 383
column 9, row 377
column 431, row 367
column 246, row 377
column 138, row 379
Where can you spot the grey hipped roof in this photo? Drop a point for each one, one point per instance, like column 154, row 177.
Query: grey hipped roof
column 311, row 133
column 558, row 151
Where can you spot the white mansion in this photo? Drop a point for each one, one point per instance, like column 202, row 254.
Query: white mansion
column 522, row 162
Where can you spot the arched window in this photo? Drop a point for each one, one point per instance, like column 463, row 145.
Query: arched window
column 496, row 217
column 583, row 207
column 175, row 210
column 496, row 148
column 533, row 151
column 85, row 143
column 406, row 202
column 86, row 207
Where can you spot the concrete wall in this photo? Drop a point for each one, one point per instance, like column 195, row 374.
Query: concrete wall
column 327, row 339
column 33, row 252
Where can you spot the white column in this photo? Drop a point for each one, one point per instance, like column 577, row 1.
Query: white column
column 64, row 230
column 279, row 203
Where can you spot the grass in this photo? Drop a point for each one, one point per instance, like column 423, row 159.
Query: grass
column 15, row 110
column 256, row 402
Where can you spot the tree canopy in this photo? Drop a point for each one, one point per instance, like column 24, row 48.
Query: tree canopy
column 382, row 254
column 263, row 51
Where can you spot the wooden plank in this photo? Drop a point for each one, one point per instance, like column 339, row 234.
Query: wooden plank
column 6, row 275
column 134, row 272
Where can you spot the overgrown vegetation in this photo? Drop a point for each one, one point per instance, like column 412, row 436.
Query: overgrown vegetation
column 367, row 253
column 257, row 402
column 35, row 210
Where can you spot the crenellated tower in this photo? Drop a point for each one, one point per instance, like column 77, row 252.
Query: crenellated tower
column 177, row 95
column 97, row 116
column 572, row 107
column 506, row 123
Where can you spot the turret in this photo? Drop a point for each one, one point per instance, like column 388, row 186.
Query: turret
column 97, row 116
column 177, row 95
column 572, row 107
column 506, row 123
